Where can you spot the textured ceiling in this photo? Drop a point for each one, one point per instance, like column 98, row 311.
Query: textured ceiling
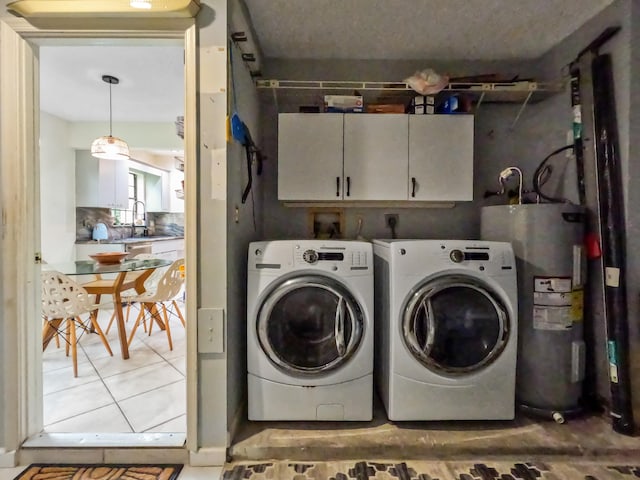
column 151, row 87
column 416, row 29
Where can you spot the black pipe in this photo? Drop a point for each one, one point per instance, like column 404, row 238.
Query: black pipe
column 578, row 151
column 612, row 222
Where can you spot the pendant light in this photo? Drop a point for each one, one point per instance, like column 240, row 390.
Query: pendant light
column 110, row 147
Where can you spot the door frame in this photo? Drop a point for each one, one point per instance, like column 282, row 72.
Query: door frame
column 21, row 397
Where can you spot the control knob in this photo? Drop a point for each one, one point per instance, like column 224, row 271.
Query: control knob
column 456, row 256
column 310, row 256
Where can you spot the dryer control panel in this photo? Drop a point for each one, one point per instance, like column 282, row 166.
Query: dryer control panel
column 333, row 258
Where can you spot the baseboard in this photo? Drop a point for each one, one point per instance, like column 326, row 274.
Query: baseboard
column 208, row 457
column 7, row 459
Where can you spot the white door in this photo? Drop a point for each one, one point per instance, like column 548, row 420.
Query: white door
column 441, row 157
column 310, row 156
column 375, row 156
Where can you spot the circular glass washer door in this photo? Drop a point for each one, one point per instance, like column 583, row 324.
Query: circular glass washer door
column 310, row 325
column 455, row 325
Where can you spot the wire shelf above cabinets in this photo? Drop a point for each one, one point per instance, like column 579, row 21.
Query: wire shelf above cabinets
column 309, row 92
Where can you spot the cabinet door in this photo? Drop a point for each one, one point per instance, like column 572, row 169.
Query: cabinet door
column 441, row 157
column 165, row 196
column 106, row 179
column 121, row 184
column 310, row 156
column 87, row 179
column 113, row 184
column 153, row 192
column 375, row 156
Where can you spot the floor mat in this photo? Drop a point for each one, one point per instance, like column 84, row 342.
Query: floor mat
column 41, row 471
column 430, row 470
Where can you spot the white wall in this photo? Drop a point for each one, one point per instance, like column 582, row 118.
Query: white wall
column 159, row 136
column 57, row 191
column 212, row 216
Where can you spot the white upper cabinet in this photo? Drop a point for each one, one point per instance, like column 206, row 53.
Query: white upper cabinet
column 310, row 156
column 113, row 183
column 157, row 192
column 375, row 156
column 101, row 183
column 441, row 157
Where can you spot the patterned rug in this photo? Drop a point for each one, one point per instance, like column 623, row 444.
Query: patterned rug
column 40, row 471
column 430, row 470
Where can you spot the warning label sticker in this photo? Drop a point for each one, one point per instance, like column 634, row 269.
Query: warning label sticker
column 552, row 284
column 552, row 318
column 553, row 303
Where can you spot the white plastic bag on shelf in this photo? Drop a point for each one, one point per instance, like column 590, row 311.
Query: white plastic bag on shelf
column 427, row 82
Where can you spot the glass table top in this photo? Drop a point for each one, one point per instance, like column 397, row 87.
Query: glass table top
column 89, row 267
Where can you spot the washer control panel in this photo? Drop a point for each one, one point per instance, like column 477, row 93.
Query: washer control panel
column 332, row 258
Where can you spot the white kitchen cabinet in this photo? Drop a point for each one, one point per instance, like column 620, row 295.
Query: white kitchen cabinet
column 101, row 183
column 310, row 152
column 375, row 156
column 441, row 157
column 114, row 183
column 157, row 192
column 168, row 249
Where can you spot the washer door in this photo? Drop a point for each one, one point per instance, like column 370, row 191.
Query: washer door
column 455, row 325
column 310, row 325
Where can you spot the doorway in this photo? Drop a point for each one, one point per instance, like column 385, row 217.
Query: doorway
column 145, row 393
column 22, row 348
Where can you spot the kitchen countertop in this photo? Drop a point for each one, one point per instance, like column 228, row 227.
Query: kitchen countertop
column 154, row 238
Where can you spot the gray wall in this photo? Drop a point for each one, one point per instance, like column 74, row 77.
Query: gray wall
column 243, row 227
column 623, row 47
column 541, row 129
column 496, row 147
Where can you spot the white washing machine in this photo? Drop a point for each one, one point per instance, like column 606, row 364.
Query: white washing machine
column 310, row 330
column 446, row 329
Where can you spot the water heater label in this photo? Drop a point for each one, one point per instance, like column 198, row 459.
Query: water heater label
column 553, row 303
column 552, row 284
column 552, row 318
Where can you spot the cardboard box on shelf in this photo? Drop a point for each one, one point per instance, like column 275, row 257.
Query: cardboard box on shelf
column 343, row 103
column 386, row 108
column 423, row 105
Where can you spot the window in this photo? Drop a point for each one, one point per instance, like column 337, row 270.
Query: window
column 125, row 217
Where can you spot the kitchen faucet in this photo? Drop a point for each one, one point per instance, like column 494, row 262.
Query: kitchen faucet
column 135, row 214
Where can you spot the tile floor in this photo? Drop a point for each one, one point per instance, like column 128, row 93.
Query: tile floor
column 145, row 393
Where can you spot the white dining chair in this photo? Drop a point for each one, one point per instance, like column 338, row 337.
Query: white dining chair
column 164, row 295
column 63, row 303
column 150, row 285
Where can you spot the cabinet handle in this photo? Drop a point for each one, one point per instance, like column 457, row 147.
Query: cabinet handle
column 348, row 186
column 337, row 186
column 413, row 186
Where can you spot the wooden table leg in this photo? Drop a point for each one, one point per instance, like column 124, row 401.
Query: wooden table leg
column 117, row 306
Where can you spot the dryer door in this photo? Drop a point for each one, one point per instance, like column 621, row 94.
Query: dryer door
column 455, row 325
column 310, row 325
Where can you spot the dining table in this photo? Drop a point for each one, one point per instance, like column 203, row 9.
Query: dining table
column 130, row 274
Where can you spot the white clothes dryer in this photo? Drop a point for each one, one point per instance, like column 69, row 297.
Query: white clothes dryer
column 310, row 330
column 446, row 329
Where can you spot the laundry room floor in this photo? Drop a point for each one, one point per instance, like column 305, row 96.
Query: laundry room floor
column 525, row 438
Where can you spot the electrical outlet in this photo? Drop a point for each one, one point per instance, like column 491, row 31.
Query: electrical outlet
column 390, row 218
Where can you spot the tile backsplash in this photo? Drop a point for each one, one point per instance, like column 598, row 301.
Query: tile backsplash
column 171, row 224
